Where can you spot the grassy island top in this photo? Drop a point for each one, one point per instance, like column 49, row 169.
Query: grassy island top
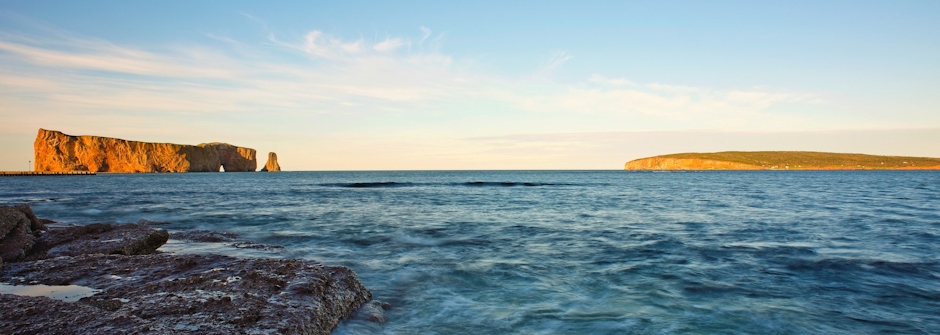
column 802, row 160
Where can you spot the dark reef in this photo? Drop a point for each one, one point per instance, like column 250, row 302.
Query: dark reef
column 143, row 290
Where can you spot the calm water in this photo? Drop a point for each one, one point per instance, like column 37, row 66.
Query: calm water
column 599, row 252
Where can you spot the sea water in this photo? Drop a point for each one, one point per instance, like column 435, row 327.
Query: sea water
column 571, row 252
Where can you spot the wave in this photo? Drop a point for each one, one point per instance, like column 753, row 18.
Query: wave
column 372, row 184
column 469, row 184
column 857, row 264
column 503, row 184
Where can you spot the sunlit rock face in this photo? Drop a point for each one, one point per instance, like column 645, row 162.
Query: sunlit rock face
column 271, row 165
column 56, row 152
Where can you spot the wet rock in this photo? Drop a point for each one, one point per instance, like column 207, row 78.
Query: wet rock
column 203, row 236
column 253, row 245
column 99, row 238
column 36, row 224
column 373, row 311
column 152, row 223
column 18, row 230
column 41, row 315
column 188, row 293
column 209, row 236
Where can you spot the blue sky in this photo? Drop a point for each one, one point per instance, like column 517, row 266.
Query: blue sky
column 477, row 85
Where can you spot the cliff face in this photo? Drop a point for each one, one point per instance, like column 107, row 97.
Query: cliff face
column 55, row 151
column 659, row 163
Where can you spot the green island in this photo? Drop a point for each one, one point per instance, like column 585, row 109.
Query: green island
column 781, row 160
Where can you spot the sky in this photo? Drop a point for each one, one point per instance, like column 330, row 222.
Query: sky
column 437, row 85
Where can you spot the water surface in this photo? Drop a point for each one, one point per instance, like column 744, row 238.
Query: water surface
column 572, row 252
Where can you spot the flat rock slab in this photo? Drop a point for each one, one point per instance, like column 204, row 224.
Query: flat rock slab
column 167, row 293
column 99, row 238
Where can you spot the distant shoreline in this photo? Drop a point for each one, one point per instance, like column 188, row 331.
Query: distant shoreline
column 781, row 160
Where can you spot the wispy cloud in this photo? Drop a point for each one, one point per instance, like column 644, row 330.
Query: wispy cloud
column 599, row 79
column 555, row 61
column 295, row 85
column 677, row 104
column 389, row 44
column 426, row 32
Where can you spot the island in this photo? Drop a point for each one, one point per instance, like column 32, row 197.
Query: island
column 781, row 160
column 58, row 152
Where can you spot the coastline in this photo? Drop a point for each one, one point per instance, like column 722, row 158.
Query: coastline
column 781, row 160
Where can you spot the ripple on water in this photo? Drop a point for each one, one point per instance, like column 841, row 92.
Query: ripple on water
column 571, row 252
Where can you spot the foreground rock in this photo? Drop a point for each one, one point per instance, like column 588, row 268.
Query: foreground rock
column 271, row 165
column 98, row 238
column 167, row 293
column 55, row 152
column 145, row 291
column 19, row 229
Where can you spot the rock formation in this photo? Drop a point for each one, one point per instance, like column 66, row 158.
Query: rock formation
column 271, row 165
column 98, row 238
column 137, row 290
column 56, row 152
column 167, row 293
column 19, row 229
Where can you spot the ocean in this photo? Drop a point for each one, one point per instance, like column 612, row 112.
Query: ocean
column 568, row 252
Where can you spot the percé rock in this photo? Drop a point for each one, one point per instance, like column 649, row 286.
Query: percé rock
column 56, row 152
column 781, row 160
column 271, row 165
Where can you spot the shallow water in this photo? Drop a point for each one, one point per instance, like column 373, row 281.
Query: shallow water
column 571, row 252
column 70, row 293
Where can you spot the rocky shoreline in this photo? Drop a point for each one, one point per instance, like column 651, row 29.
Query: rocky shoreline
column 139, row 289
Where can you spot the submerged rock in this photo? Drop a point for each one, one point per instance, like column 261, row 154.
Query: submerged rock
column 373, row 311
column 271, row 165
column 190, row 293
column 204, row 236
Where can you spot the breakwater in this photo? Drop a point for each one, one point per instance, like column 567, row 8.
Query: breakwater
column 45, row 173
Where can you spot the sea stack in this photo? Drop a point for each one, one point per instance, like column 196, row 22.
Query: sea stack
column 271, row 165
column 58, row 152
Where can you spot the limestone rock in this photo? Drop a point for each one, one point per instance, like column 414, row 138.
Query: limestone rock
column 167, row 293
column 55, row 151
column 271, row 165
column 99, row 238
column 232, row 158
